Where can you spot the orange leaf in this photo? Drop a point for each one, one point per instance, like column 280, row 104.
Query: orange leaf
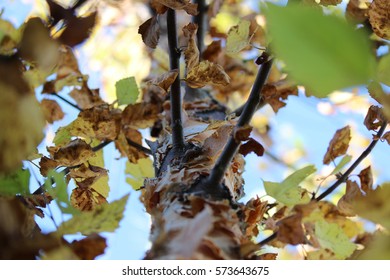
column 338, row 146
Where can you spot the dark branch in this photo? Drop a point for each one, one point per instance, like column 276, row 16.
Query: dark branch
column 67, row 101
column 344, row 177
column 200, row 20
column 139, row 147
column 268, row 239
column 175, row 95
column 232, row 145
column 101, row 146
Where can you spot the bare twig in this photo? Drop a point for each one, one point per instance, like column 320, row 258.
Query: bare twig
column 344, row 177
column 67, row 101
column 175, row 94
column 139, row 147
column 232, row 145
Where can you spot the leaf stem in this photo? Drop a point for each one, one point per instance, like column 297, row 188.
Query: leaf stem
column 232, row 145
column 366, row 152
column 175, row 95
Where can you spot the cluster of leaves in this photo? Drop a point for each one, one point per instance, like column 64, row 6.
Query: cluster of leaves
column 192, row 218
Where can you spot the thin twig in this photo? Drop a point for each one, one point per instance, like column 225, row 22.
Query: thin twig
column 268, row 239
column 175, row 95
column 67, row 101
column 344, row 177
column 232, row 145
column 101, row 146
column 199, row 19
column 139, row 147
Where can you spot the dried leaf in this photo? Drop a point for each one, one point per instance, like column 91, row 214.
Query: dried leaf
column 186, row 5
column 150, row 32
column 67, row 64
column 374, row 118
column 191, row 53
column 291, row 230
column 212, row 51
column 86, row 98
column 251, row 146
column 51, row 110
column 238, row 37
column 254, row 213
column 104, row 218
column 85, row 198
column 275, row 93
column 158, row 7
column 127, row 150
column 46, row 164
column 366, row 180
column 165, row 80
column 242, row 133
column 378, row 14
column 338, row 145
column 386, row 137
column 205, row 73
column 356, row 11
column 140, row 115
column 374, row 206
column 74, row 153
column 89, row 247
column 78, row 29
column 352, row 192
column 330, row 2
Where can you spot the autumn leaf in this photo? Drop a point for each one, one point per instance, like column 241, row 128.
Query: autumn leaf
column 288, row 192
column 186, row 5
column 78, row 29
column 345, row 202
column 74, row 153
column 374, row 206
column 374, row 118
column 191, row 53
column 251, row 146
column 238, row 37
column 140, row 115
column 86, row 198
column 356, row 11
column 379, row 18
column 52, row 110
column 366, row 180
column 150, row 32
column 291, row 230
column 104, row 218
column 338, row 146
column 165, row 80
column 126, row 136
column 89, row 247
column 330, row 2
column 205, row 73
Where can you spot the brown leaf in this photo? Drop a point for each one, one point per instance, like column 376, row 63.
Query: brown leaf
column 158, row 7
column 37, row 46
column 129, row 151
column 352, row 192
column 186, row 5
column 330, row 2
column 356, row 11
column 215, row 7
column 205, row 73
column 378, row 15
column 150, row 32
column 89, row 247
column 84, row 198
column 374, row 118
column 165, row 80
column 104, row 121
column 291, row 230
column 275, row 93
column 37, row 200
column 78, row 29
column 242, row 133
column 212, row 51
column 51, row 110
column 74, row 153
column 57, row 12
column 251, row 146
column 67, row 63
column 338, row 146
column 46, row 164
column 366, row 180
column 86, row 171
column 191, row 53
column 86, row 98
column 254, row 212
column 386, row 137
column 140, row 115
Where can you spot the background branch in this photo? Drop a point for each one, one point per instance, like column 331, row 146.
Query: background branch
column 200, row 20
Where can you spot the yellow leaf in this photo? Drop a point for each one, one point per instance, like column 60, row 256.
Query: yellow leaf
column 338, row 145
column 138, row 172
column 238, row 37
column 207, row 73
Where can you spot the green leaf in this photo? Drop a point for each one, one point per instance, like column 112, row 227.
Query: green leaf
column 126, row 91
column 289, row 192
column 238, row 37
column 332, row 237
column 322, row 52
column 138, row 172
column 384, row 70
column 343, row 162
column 60, row 191
column 15, row 183
column 104, row 218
